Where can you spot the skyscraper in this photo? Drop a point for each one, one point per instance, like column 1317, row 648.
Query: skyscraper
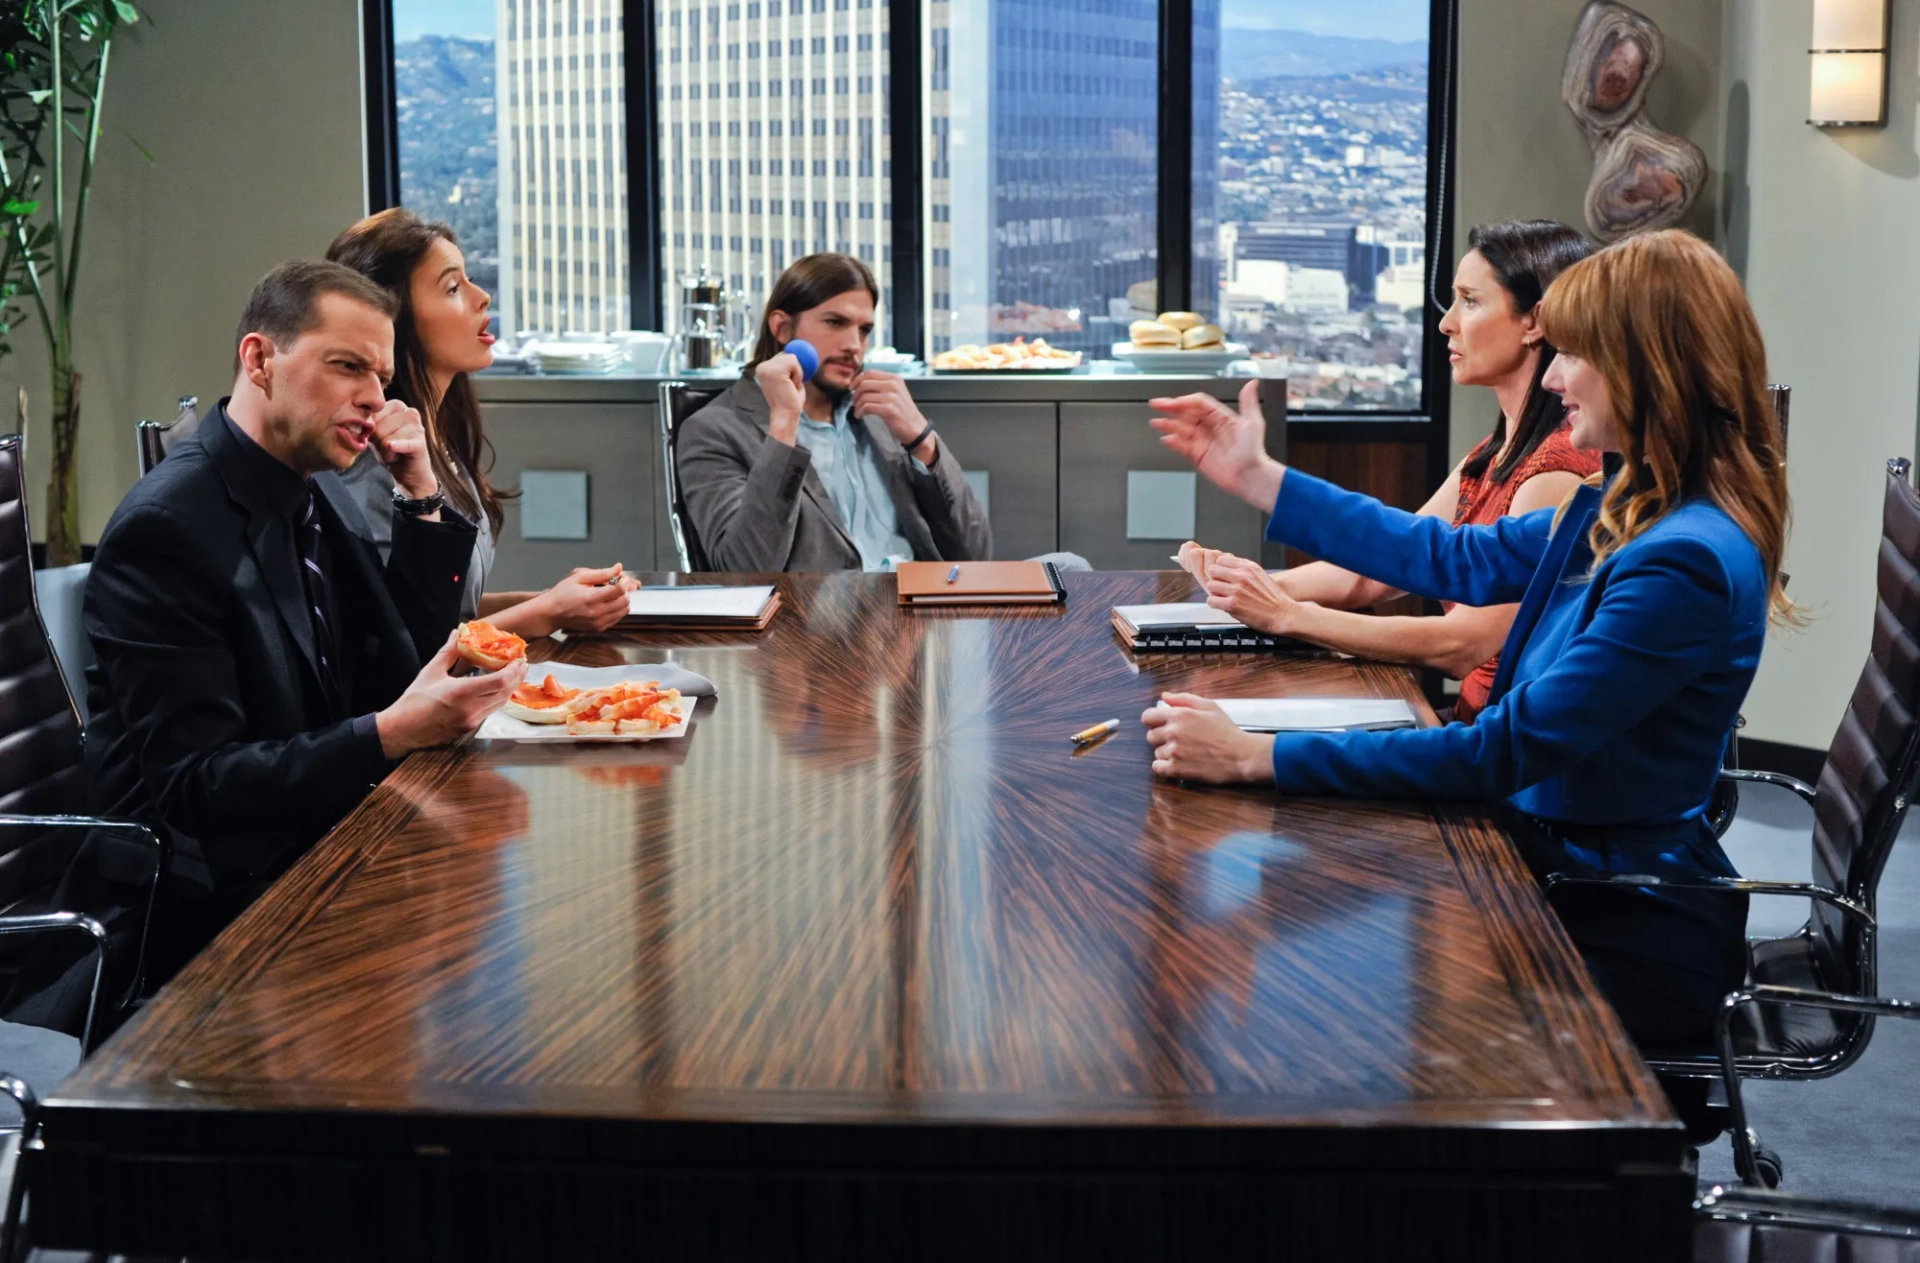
column 1043, row 137
column 561, row 80
column 773, row 139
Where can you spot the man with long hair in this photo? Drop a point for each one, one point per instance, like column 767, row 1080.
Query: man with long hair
column 840, row 472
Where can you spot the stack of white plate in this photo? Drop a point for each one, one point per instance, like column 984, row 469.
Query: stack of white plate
column 580, row 357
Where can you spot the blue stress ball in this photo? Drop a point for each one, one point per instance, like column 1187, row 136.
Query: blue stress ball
column 802, row 350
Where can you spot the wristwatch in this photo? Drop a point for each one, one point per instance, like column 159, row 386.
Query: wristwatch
column 406, row 506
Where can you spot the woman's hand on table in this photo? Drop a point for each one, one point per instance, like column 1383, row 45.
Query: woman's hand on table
column 588, row 600
column 1193, row 740
column 1229, row 447
column 1245, row 590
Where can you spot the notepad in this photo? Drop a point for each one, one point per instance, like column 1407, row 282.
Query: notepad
column 1196, row 627
column 745, row 608
column 979, row 583
column 1175, row 616
column 1317, row 714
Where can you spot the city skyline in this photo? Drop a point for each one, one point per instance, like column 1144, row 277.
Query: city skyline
column 1039, row 181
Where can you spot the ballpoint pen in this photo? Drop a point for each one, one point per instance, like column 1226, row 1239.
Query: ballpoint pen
column 953, row 574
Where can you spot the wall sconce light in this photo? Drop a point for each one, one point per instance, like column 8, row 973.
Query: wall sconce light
column 1849, row 56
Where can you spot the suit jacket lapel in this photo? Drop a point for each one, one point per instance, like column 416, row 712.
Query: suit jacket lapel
column 266, row 536
column 1550, row 573
column 893, row 466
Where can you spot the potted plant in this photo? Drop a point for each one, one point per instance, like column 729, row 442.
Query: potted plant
column 53, row 80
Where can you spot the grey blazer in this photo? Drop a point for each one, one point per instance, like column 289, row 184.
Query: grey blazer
column 756, row 504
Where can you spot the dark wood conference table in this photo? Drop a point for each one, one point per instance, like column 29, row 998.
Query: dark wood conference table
column 873, row 966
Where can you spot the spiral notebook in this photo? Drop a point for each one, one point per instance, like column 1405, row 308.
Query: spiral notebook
column 1196, row 627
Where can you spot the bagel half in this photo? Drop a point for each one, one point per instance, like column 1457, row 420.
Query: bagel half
column 1145, row 333
column 1202, row 338
column 487, row 647
column 1182, row 320
column 543, row 703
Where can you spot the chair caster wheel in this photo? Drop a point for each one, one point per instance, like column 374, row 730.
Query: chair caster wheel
column 1768, row 1167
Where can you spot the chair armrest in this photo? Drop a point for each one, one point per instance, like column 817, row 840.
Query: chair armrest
column 1800, row 787
column 40, row 922
column 82, row 822
column 161, row 852
column 1726, row 885
column 1867, row 1006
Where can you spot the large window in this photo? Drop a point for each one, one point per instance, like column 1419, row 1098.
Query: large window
column 773, row 141
column 1041, row 127
column 1032, row 193
column 512, row 125
column 1316, row 151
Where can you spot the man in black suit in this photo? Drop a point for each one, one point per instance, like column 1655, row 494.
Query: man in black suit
column 259, row 668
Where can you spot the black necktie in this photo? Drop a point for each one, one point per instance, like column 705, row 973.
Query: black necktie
column 316, row 582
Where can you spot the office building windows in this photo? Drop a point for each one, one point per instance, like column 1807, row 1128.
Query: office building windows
column 1040, row 157
column 793, row 153
column 1037, row 184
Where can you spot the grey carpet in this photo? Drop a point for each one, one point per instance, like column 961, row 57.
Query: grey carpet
column 1856, row 1135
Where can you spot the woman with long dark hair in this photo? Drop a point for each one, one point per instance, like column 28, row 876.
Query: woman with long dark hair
column 1528, row 462
column 1644, row 604
column 439, row 338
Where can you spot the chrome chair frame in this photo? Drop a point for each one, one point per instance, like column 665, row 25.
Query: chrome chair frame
column 1729, row 1065
column 16, row 1186
column 150, row 437
column 685, row 545
column 1765, row 1208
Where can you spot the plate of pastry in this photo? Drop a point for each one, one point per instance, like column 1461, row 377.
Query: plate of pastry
column 1017, row 356
column 1178, row 342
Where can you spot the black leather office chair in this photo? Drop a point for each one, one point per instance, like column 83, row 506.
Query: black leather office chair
column 41, row 787
column 678, row 401
column 152, row 440
column 1758, row 1225
column 1858, row 806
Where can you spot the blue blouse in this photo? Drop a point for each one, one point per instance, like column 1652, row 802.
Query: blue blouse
column 1617, row 686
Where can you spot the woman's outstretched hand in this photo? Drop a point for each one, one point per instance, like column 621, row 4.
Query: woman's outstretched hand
column 1228, row 447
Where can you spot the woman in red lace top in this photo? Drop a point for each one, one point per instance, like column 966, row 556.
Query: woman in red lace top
column 1527, row 463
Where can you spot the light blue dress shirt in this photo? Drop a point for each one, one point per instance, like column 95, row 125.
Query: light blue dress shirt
column 848, row 468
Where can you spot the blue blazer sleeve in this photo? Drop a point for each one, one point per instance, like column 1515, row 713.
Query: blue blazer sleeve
column 1666, row 617
column 1474, row 565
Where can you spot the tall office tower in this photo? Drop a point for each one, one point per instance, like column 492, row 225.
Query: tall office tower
column 773, row 140
column 561, row 82
column 1043, row 126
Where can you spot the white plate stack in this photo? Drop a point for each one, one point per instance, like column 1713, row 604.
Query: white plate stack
column 575, row 358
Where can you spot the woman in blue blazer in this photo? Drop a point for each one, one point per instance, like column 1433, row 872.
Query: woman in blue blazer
column 1644, row 601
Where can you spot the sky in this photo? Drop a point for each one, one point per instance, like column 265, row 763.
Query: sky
column 414, row 18
column 1359, row 19
column 1362, row 19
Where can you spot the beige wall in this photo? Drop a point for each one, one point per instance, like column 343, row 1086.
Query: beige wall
column 252, row 114
column 1521, row 155
column 1823, row 226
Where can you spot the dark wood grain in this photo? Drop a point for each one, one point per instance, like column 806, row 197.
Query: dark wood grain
column 873, row 964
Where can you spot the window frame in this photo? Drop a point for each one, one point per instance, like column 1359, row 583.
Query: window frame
column 1173, row 199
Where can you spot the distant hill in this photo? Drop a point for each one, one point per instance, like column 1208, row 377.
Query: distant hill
column 1255, row 54
column 449, row 163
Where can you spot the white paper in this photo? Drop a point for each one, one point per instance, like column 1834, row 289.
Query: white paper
column 701, row 604
column 1176, row 614
column 1317, row 714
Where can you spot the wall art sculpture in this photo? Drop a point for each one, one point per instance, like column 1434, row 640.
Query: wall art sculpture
column 1643, row 178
